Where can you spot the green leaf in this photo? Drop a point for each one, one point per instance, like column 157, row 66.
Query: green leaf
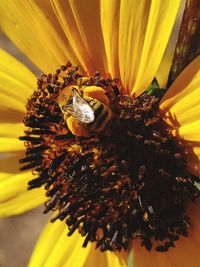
column 155, row 90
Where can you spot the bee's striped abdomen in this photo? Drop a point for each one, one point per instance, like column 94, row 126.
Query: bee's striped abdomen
column 102, row 115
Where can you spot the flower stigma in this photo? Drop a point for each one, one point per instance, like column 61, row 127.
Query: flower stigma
column 110, row 167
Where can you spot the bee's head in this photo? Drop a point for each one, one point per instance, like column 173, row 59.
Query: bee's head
column 66, row 96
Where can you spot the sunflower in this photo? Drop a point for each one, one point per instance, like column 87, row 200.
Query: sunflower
column 129, row 172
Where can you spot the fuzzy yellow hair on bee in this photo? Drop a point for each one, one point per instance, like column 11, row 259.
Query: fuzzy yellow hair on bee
column 91, row 112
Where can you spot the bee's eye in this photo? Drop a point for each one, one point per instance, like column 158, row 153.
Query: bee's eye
column 70, row 101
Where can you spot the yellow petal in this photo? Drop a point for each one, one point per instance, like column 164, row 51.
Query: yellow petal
column 6, row 115
column 11, row 144
column 10, row 102
column 143, row 258
column 14, row 196
column 164, row 68
column 116, row 259
column 165, row 65
column 3, row 175
column 11, row 129
column 189, row 131
column 54, row 248
column 184, row 88
column 32, row 26
column 186, row 251
column 9, row 162
column 144, row 30
column 186, row 254
column 16, row 70
column 181, row 108
column 16, row 83
column 110, row 28
column 96, row 258
column 194, row 215
column 81, row 23
column 12, row 147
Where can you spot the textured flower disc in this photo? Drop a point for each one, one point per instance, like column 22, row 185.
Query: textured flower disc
column 121, row 176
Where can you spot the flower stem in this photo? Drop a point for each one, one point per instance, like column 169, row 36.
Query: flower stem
column 188, row 44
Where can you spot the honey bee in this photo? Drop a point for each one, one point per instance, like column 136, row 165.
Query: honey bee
column 89, row 111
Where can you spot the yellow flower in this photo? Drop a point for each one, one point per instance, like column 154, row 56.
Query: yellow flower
column 126, row 39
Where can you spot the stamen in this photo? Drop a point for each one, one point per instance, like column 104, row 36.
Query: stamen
column 31, row 158
column 123, row 178
column 31, row 165
column 33, row 140
column 32, row 150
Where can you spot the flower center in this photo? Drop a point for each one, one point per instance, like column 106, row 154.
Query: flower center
column 109, row 166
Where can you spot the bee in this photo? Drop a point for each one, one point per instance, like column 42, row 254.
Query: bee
column 89, row 111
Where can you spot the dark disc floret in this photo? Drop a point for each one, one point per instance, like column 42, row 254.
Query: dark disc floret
column 127, row 182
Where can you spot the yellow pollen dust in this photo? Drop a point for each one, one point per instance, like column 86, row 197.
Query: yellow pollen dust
column 146, row 217
column 97, row 93
column 76, row 127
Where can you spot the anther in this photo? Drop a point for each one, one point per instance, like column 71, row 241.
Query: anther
column 31, row 165
column 31, row 158
column 33, row 150
column 33, row 140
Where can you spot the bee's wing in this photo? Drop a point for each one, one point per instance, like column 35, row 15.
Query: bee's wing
column 84, row 112
column 79, row 108
column 69, row 109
